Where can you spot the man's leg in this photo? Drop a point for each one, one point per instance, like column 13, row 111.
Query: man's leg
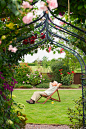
column 34, row 97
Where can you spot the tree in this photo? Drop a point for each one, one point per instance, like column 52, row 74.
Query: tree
column 45, row 62
column 78, row 9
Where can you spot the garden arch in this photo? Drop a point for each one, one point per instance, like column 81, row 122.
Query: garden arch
column 49, row 33
column 47, row 27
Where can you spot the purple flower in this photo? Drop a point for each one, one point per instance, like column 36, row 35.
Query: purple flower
column 8, row 100
column 4, row 96
column 0, row 92
column 12, row 83
column 1, row 73
column 11, row 88
column 4, row 84
column 61, row 13
column 7, row 86
column 13, row 79
column 15, row 82
column 2, row 78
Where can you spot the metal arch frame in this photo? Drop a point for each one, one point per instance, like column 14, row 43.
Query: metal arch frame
column 46, row 25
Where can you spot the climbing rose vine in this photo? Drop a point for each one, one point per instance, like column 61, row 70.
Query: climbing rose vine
column 52, row 4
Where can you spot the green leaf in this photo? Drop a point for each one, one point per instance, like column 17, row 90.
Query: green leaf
column 17, row 13
column 54, row 52
column 42, row 47
column 0, row 58
column 80, row 7
column 14, row 1
column 3, row 3
column 36, row 51
column 85, row 6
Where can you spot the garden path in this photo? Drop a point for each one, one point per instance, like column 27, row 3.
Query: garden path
column 41, row 126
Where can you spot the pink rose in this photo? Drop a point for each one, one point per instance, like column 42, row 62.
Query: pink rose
column 62, row 23
column 53, row 4
column 30, row 0
column 0, row 42
column 14, row 49
column 30, row 7
column 25, row 4
column 49, row 49
column 23, row 82
column 48, row 1
column 43, row 6
column 10, row 47
column 28, row 18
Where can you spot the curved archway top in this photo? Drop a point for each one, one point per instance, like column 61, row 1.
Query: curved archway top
column 50, row 33
column 46, row 25
column 44, row 31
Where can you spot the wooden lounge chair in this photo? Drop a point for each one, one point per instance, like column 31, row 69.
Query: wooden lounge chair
column 49, row 97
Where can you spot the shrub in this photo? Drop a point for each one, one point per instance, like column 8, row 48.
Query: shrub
column 55, row 67
column 26, row 86
column 19, row 85
column 12, row 120
column 31, row 64
column 19, row 118
column 46, row 78
column 35, row 78
column 76, row 115
column 43, row 85
column 67, row 79
column 21, row 71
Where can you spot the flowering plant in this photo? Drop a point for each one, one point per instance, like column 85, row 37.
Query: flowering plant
column 35, row 78
column 27, row 7
column 21, row 71
column 68, row 78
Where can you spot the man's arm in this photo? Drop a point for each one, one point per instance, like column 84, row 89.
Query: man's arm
column 50, row 84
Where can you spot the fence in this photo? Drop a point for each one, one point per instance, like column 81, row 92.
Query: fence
column 77, row 77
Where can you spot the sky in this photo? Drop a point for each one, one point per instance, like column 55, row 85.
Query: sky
column 41, row 53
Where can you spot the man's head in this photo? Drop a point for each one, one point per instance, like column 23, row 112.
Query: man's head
column 54, row 83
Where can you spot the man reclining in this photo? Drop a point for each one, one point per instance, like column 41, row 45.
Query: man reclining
column 52, row 87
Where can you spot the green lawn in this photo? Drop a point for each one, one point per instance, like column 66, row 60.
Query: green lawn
column 43, row 70
column 47, row 113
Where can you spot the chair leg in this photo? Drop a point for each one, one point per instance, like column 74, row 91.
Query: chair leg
column 58, row 96
column 49, row 97
column 38, row 99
